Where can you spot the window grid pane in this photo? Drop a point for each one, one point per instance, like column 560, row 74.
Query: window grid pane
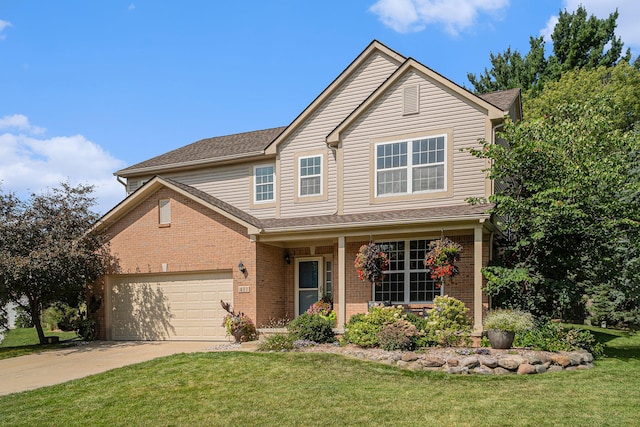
column 310, row 186
column 406, row 271
column 264, row 183
column 310, row 176
column 428, row 178
column 426, row 166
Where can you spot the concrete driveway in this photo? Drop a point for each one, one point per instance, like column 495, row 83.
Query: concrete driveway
column 58, row 366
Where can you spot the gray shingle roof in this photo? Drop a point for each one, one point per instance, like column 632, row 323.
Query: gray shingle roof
column 502, row 98
column 209, row 150
column 398, row 217
column 238, row 213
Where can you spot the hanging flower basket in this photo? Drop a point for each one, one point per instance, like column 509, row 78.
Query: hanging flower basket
column 441, row 258
column 371, row 263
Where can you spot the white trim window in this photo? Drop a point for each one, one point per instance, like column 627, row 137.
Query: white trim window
column 414, row 166
column 264, row 178
column 406, row 280
column 310, row 176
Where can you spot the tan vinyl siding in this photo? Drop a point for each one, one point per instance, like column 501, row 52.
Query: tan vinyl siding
column 439, row 109
column 231, row 184
column 311, row 136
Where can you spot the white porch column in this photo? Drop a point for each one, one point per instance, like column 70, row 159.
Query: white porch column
column 477, row 280
column 342, row 282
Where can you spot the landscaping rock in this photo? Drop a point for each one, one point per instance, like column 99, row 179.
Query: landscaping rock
column 509, row 363
column 483, row 370
column 561, row 360
column 501, row 371
column 586, row 357
column 488, row 361
column 526, row 369
column 432, row 362
column 575, row 359
column 409, row 357
column 585, row 366
column 534, row 359
column 469, row 362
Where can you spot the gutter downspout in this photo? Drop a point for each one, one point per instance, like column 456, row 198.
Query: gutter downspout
column 124, row 184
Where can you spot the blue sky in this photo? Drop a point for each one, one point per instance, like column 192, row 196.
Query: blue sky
column 89, row 87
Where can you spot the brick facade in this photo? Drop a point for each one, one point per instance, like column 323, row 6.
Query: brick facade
column 199, row 239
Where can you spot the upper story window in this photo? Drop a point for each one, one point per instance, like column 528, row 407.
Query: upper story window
column 264, row 180
column 310, row 175
column 413, row 166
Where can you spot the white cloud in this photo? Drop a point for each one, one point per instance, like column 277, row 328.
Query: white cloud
column 19, row 122
column 33, row 164
column 132, row 6
column 414, row 15
column 3, row 25
column 628, row 12
column 548, row 29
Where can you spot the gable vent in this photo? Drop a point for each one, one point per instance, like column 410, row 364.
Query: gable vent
column 410, row 100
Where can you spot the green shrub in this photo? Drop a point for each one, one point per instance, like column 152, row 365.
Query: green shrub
column 51, row 317
column 508, row 320
column 312, row 327
column 362, row 329
column 447, row 323
column 277, row 342
column 551, row 336
column 399, row 335
column 362, row 333
column 23, row 318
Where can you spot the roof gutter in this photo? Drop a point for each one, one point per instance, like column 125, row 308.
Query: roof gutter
column 190, row 164
column 362, row 224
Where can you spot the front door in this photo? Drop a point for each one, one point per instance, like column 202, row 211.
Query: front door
column 308, row 283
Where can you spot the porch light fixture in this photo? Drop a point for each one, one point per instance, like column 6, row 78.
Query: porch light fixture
column 242, row 268
column 287, row 258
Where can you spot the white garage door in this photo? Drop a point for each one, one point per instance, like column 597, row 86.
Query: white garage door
column 168, row 306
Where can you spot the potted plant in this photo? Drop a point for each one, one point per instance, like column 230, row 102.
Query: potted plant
column 238, row 325
column 501, row 326
column 371, row 263
column 441, row 258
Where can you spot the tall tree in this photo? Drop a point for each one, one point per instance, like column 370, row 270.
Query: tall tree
column 578, row 42
column 47, row 253
column 570, row 197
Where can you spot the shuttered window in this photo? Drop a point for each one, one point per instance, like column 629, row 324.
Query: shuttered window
column 164, row 206
column 410, row 101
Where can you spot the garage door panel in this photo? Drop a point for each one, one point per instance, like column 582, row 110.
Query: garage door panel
column 171, row 307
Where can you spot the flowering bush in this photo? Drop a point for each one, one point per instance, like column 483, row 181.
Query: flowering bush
column 323, row 309
column 371, row 263
column 440, row 259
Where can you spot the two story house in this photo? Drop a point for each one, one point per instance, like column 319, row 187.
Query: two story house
column 271, row 220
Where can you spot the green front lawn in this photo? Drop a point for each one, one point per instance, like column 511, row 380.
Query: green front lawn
column 22, row 341
column 323, row 389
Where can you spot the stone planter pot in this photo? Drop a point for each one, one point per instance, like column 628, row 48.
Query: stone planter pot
column 500, row 339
